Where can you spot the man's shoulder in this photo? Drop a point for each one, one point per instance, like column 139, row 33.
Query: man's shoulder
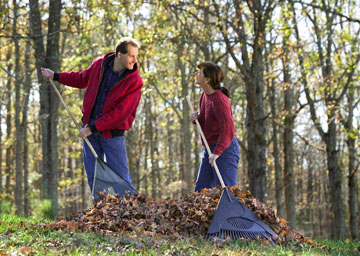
column 137, row 79
column 135, row 76
column 100, row 59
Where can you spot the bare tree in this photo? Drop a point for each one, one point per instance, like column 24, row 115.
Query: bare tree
column 288, row 134
column 48, row 99
column 251, row 66
column 19, row 133
column 333, row 94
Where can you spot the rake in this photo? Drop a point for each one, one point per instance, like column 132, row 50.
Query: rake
column 232, row 218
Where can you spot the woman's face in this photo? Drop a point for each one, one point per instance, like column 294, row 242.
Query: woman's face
column 200, row 79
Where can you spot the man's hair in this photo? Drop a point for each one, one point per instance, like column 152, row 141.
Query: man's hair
column 122, row 45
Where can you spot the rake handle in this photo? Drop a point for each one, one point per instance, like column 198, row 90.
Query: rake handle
column 72, row 116
column 205, row 142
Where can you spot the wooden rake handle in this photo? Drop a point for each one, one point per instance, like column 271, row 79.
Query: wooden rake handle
column 205, row 142
column 72, row 117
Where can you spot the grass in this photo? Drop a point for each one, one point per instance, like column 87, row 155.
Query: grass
column 24, row 236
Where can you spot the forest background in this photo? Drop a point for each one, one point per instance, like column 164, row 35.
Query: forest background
column 292, row 68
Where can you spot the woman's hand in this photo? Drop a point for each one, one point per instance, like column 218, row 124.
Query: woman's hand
column 212, row 159
column 194, row 116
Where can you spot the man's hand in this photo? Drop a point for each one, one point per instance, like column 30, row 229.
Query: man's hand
column 84, row 132
column 47, row 73
column 212, row 159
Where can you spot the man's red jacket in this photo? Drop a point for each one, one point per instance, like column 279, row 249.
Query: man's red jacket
column 121, row 103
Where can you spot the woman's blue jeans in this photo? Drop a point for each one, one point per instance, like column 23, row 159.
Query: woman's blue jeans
column 227, row 163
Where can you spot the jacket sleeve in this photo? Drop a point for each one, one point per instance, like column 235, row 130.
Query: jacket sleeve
column 123, row 110
column 77, row 79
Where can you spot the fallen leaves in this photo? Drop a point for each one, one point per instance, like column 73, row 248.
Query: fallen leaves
column 189, row 215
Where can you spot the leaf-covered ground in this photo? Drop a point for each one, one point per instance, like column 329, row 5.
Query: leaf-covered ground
column 24, row 236
column 188, row 216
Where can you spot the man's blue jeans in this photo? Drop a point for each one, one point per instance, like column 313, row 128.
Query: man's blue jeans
column 227, row 163
column 111, row 149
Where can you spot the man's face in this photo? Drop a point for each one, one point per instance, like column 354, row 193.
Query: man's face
column 128, row 59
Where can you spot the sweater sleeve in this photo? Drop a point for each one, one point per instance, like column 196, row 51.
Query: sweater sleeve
column 225, row 119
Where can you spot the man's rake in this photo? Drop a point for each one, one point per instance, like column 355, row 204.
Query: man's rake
column 232, row 218
column 105, row 178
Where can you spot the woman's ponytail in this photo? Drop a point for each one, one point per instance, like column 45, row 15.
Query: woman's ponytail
column 225, row 91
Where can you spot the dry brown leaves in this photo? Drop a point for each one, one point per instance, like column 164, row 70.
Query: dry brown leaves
column 189, row 215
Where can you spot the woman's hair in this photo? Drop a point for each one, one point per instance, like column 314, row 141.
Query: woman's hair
column 215, row 74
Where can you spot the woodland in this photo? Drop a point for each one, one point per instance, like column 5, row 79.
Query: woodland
column 292, row 67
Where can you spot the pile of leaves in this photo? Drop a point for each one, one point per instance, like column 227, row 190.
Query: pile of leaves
column 189, row 215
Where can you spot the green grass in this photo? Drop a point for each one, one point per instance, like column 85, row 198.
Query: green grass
column 29, row 237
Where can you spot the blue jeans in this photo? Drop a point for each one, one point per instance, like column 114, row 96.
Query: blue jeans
column 112, row 149
column 227, row 163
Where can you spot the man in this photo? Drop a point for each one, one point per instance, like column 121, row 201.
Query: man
column 113, row 91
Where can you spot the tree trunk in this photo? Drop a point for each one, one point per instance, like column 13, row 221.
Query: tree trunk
column 352, row 170
column 53, row 61
column 256, row 131
column 134, row 149
column 198, row 146
column 169, row 149
column 289, row 175
column 1, row 157
column 24, row 124
column 9, row 147
column 315, row 203
column 137, row 165
column 131, row 158
column 156, row 160
column 84, row 185
column 48, row 99
column 353, row 191
column 275, row 140
column 36, row 34
column 276, row 154
column 310, row 196
column 154, row 169
column 154, row 191
column 255, row 118
column 182, row 165
column 19, row 133
column 185, row 121
column 70, row 190
column 338, row 223
column 147, row 142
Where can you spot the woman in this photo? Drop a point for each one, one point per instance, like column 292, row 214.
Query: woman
column 216, row 120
